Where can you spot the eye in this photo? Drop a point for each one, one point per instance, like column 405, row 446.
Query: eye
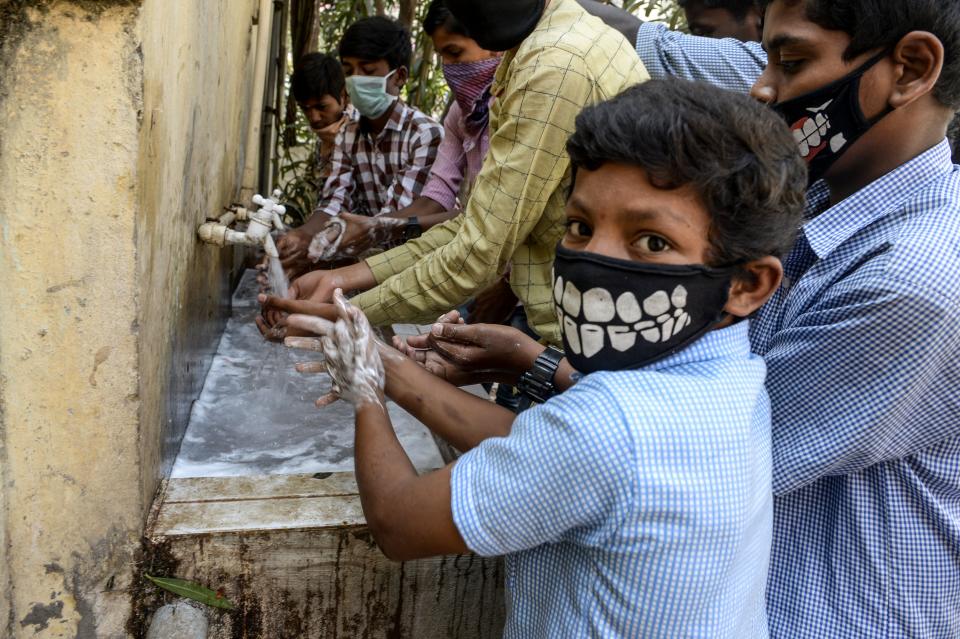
column 578, row 229
column 790, row 66
column 652, row 244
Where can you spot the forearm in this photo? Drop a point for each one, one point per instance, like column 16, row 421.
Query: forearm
column 314, row 223
column 422, row 206
column 356, row 277
column 462, row 419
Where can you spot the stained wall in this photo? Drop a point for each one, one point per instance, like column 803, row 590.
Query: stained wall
column 122, row 127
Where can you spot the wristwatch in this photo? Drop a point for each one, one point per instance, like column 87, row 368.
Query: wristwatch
column 537, row 383
column 412, row 229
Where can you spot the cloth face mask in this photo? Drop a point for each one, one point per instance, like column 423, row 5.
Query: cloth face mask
column 828, row 121
column 617, row 314
column 369, row 94
column 470, row 82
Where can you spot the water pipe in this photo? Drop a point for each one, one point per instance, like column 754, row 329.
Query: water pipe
column 263, row 35
column 259, row 225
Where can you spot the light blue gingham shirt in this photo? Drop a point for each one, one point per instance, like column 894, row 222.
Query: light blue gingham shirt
column 864, row 356
column 636, row 504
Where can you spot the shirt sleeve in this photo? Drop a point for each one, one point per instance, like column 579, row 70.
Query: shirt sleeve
column 856, row 379
column 526, row 163
column 335, row 197
column 553, row 474
column 727, row 63
column 443, row 186
column 398, row 259
column 409, row 181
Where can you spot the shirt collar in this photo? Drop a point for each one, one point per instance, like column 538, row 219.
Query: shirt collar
column 732, row 342
column 828, row 228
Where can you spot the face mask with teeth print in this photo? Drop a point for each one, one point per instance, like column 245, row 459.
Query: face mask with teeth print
column 617, row 315
column 827, row 121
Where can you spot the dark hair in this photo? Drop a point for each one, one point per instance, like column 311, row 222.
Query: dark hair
column 317, row 75
column 378, row 38
column 739, row 8
column 881, row 24
column 439, row 16
column 737, row 154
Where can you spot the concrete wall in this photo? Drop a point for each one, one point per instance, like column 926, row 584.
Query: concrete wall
column 121, row 128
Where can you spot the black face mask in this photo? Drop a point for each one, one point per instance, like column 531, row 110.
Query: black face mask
column 497, row 25
column 617, row 314
column 828, row 121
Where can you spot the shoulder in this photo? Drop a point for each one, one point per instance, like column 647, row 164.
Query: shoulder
column 424, row 128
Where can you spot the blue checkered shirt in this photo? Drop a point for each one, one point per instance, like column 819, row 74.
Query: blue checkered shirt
column 863, row 350
column 636, row 504
column 863, row 346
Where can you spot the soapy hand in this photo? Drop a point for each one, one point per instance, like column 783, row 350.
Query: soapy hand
column 352, row 358
column 349, row 235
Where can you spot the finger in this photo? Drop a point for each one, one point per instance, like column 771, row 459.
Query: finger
column 450, row 317
column 327, row 399
column 271, row 333
column 462, row 333
column 301, row 307
column 304, row 343
column 291, row 258
column 343, row 305
column 317, row 325
column 418, row 341
column 309, row 368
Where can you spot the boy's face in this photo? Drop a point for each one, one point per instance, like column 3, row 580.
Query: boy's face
column 380, row 68
column 454, row 48
column 321, row 112
column 803, row 57
column 616, row 211
column 722, row 23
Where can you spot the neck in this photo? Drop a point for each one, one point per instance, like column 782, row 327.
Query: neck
column 891, row 143
column 375, row 125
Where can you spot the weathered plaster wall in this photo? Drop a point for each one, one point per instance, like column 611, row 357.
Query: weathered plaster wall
column 121, row 127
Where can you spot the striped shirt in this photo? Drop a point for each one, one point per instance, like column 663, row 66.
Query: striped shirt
column 515, row 213
column 377, row 175
column 636, row 504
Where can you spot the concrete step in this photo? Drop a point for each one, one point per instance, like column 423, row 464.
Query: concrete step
column 294, row 555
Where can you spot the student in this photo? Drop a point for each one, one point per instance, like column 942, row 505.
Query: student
column 317, row 85
column 739, row 19
column 387, row 153
column 558, row 59
column 863, row 343
column 638, row 503
column 469, row 71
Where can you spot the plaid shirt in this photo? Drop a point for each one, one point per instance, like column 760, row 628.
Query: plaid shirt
column 863, row 350
column 375, row 176
column 515, row 212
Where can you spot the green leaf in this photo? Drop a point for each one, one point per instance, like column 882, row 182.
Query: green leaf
column 193, row 591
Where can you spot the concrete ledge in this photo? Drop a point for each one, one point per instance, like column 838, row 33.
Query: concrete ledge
column 295, row 556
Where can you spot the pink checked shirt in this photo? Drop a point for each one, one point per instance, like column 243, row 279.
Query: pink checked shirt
column 459, row 158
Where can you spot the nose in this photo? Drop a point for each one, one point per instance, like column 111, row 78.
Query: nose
column 763, row 89
column 610, row 244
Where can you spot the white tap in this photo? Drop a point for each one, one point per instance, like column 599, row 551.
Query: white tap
column 260, row 223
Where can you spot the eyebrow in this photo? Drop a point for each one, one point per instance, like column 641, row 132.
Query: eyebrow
column 637, row 214
column 783, row 40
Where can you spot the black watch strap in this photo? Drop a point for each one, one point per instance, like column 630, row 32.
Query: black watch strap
column 412, row 229
column 537, row 383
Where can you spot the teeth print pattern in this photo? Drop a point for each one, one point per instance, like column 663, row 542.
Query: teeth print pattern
column 657, row 319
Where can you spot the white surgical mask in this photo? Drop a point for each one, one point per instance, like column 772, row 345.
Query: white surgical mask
column 368, row 93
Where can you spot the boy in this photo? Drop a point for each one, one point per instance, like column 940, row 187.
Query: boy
column 558, row 59
column 469, row 71
column 638, row 503
column 318, row 87
column 738, row 19
column 862, row 344
column 387, row 153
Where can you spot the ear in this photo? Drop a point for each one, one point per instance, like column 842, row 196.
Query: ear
column 400, row 78
column 919, row 60
column 752, row 288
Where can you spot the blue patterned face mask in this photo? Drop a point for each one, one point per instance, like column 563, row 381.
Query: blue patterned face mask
column 369, row 94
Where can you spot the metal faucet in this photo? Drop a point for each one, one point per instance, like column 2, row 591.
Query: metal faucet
column 259, row 224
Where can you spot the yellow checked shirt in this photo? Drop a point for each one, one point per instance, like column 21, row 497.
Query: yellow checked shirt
column 516, row 209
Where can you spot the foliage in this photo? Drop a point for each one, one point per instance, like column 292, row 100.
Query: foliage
column 193, row 591
column 426, row 89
